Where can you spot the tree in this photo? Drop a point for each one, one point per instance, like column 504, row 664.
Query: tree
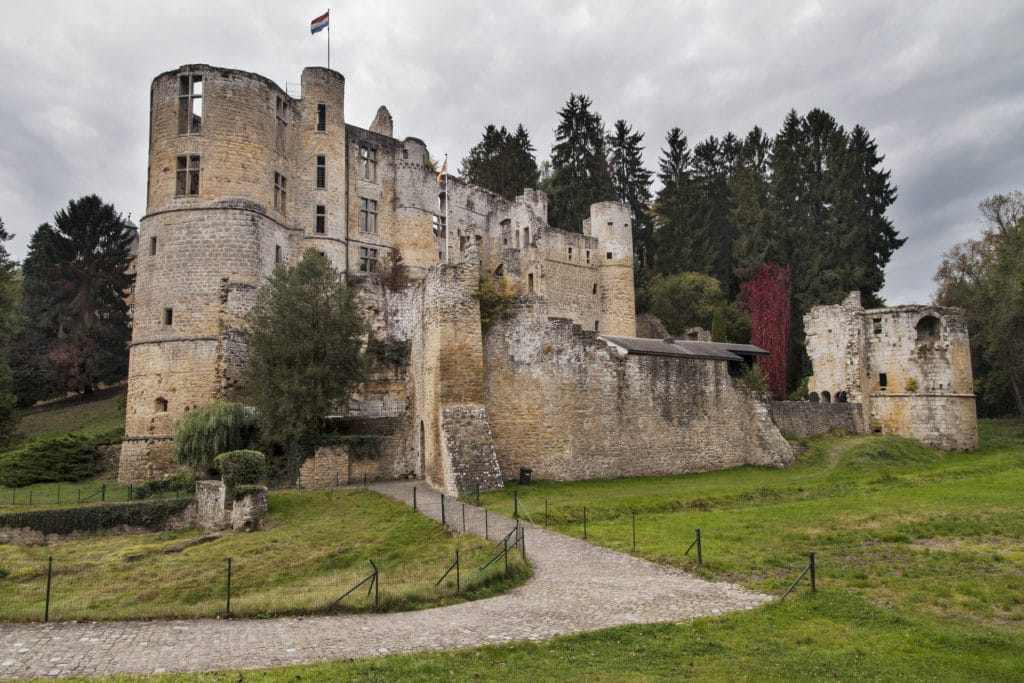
column 8, row 325
column 685, row 300
column 579, row 165
column 632, row 183
column 681, row 238
column 986, row 277
column 766, row 296
column 305, row 336
column 75, row 282
column 206, row 432
column 502, row 162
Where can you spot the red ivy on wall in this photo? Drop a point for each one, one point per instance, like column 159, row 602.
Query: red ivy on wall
column 766, row 297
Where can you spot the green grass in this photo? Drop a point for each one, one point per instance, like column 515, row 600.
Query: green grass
column 920, row 572
column 77, row 415
column 317, row 544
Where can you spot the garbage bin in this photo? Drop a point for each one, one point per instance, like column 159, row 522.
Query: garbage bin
column 525, row 475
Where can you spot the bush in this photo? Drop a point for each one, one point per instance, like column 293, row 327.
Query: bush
column 172, row 483
column 496, row 296
column 241, row 468
column 801, row 392
column 66, row 458
column 755, row 380
column 211, row 429
column 150, row 514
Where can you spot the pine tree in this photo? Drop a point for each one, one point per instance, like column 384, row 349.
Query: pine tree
column 751, row 216
column 8, row 326
column 632, row 183
column 579, row 165
column 75, row 281
column 502, row 162
column 681, row 239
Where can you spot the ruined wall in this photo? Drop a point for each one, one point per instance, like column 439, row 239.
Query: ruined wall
column 909, row 367
column 805, row 419
column 560, row 401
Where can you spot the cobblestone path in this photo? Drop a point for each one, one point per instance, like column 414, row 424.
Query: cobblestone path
column 575, row 587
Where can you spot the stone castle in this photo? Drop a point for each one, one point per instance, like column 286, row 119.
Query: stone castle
column 243, row 177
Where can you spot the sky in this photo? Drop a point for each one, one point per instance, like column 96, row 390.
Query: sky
column 938, row 85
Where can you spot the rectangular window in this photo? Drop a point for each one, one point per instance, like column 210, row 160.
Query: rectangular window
column 187, row 181
column 529, row 283
column 321, row 219
column 282, row 122
column 588, row 256
column 609, row 255
column 280, row 192
column 367, row 215
column 152, row 246
column 168, row 316
column 190, row 104
column 368, row 163
column 438, row 226
column 321, row 117
column 277, row 254
column 321, row 171
column 876, row 324
column 883, row 381
column 570, row 253
column 367, row 260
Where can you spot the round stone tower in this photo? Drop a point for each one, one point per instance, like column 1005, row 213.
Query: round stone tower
column 237, row 171
column 611, row 224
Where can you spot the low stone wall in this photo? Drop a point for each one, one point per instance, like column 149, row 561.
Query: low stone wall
column 338, row 465
column 215, row 510
column 806, row 419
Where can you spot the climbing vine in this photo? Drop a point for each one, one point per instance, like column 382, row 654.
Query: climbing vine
column 766, row 298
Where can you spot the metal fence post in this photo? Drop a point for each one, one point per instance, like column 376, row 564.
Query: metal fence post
column 515, row 504
column 506, row 555
column 478, row 495
column 458, row 581
column 545, row 513
column 129, row 492
column 522, row 542
column 463, row 518
column 49, row 577
column 229, row 588
column 103, row 493
column 486, row 530
column 442, row 510
column 413, row 497
column 58, row 494
column 700, row 558
column 584, row 523
column 30, row 496
column 813, row 589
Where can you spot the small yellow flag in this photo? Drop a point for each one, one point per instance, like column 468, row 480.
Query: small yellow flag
column 444, row 169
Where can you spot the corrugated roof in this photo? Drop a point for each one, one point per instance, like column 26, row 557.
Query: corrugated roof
column 684, row 348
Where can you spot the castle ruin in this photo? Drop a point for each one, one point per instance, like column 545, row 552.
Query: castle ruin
column 243, row 177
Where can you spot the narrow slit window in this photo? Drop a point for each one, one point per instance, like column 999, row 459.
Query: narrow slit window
column 529, row 283
column 152, row 246
column 321, row 219
column 588, row 256
column 168, row 316
column 280, row 192
column 321, row 171
column 321, row 117
column 883, row 381
column 277, row 254
column 570, row 253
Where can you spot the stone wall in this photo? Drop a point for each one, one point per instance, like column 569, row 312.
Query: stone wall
column 806, row 419
column 561, row 402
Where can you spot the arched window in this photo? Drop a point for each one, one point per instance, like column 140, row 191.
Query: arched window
column 929, row 329
column 841, row 397
column 826, row 397
column 160, row 405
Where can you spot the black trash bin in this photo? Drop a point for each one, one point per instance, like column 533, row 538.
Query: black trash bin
column 525, row 476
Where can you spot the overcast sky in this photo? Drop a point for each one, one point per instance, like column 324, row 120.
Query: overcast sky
column 939, row 85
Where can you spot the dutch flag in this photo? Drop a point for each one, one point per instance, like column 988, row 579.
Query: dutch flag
column 321, row 22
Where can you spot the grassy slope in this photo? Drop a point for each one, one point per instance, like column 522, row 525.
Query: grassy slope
column 78, row 415
column 920, row 561
column 316, row 545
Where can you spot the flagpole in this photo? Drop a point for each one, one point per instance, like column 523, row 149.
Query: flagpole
column 328, row 38
column 447, row 229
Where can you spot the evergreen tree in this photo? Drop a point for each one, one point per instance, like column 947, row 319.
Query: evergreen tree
column 579, row 165
column 749, row 188
column 502, row 162
column 632, row 183
column 681, row 239
column 75, row 281
column 8, row 326
column 713, row 165
column 305, row 336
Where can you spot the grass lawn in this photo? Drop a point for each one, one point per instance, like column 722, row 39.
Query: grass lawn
column 920, row 572
column 317, row 545
column 76, row 415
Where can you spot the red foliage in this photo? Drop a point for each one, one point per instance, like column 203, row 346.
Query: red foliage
column 766, row 297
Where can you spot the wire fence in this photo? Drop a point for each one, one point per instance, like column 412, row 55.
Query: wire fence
column 66, row 495
column 166, row 586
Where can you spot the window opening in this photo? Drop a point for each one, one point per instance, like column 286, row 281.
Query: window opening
column 570, row 253
column 321, row 219
column 929, row 329
column 282, row 120
column 321, row 117
column 187, row 181
column 367, row 215
column 152, row 246
column 883, row 381
column 876, row 324
column 588, row 256
column 321, row 171
column 160, row 405
column 367, row 260
column 439, row 226
column 526, row 237
column 190, row 104
column 595, row 289
column 609, row 255
column 368, row 163
column 529, row 283
column 596, row 325
column 168, row 316
column 280, row 191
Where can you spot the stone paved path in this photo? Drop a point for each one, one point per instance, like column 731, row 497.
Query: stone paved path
column 575, row 587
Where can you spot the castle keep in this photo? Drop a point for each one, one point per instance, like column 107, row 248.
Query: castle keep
column 243, row 177
column 908, row 367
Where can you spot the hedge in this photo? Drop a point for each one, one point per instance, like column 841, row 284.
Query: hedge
column 148, row 514
column 66, row 458
column 240, row 468
column 182, row 482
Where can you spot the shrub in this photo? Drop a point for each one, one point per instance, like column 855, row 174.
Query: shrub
column 801, row 392
column 754, row 379
column 150, row 514
column 182, row 482
column 241, row 468
column 496, row 296
column 211, row 429
column 66, row 458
